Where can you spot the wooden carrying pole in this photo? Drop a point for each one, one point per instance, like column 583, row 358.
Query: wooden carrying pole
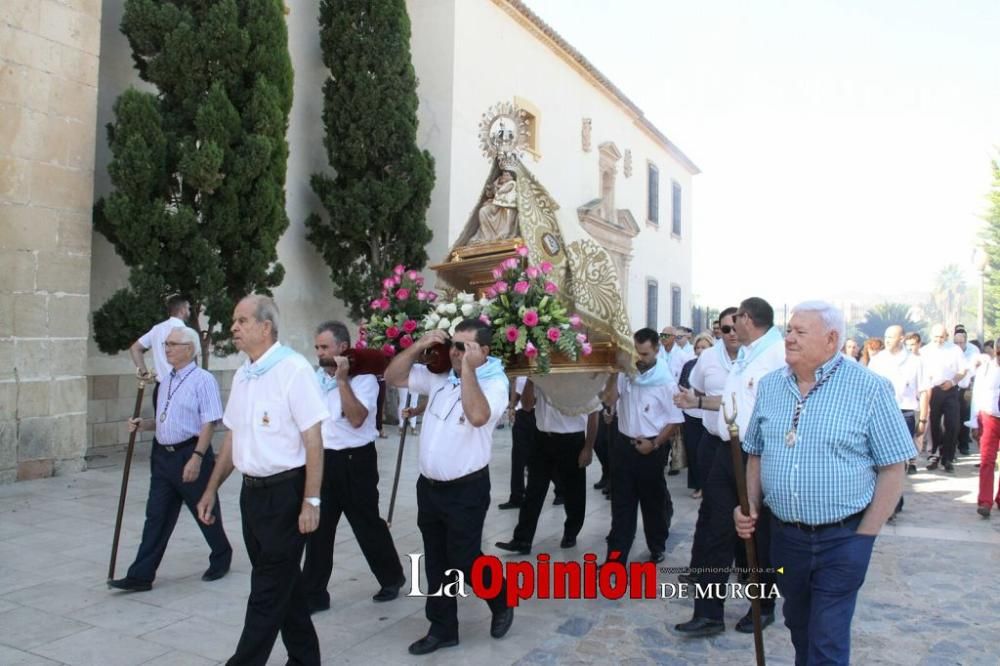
column 143, row 380
column 399, row 466
column 751, row 546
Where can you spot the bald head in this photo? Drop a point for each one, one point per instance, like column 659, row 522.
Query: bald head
column 894, row 338
column 939, row 334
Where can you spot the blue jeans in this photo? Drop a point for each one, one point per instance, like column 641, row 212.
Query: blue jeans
column 823, row 572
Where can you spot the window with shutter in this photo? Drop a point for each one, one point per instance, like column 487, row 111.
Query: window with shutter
column 654, row 195
column 675, row 305
column 675, row 203
column 652, row 294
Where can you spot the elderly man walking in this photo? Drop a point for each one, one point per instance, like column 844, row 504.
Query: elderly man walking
column 827, row 449
column 944, row 367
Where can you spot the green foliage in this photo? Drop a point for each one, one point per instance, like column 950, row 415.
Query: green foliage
column 377, row 200
column 884, row 315
column 198, row 167
column 991, row 243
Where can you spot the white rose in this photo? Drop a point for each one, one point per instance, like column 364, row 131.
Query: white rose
column 451, row 331
column 431, row 320
column 444, row 324
column 483, row 302
column 450, row 308
column 466, row 297
column 468, row 309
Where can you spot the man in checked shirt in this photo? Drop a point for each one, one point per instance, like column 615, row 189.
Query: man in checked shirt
column 827, row 449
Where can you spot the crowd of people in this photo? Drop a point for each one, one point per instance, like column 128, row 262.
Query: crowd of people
column 825, row 442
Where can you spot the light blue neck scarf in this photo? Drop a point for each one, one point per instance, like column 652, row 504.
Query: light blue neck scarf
column 327, row 382
column 720, row 348
column 743, row 359
column 492, row 369
column 658, row 375
column 264, row 364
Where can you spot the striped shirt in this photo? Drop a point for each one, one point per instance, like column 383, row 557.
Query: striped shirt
column 847, row 429
column 190, row 399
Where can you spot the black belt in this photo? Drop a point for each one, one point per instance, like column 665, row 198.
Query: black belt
column 478, row 474
column 816, row 528
column 274, row 479
column 173, row 448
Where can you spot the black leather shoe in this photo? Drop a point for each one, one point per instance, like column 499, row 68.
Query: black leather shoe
column 558, row 501
column 513, row 546
column 510, row 504
column 318, row 606
column 214, row 574
column 745, row 625
column 389, row 592
column 500, row 624
column 429, row 643
column 655, row 556
column 699, row 626
column 131, row 584
column 932, row 464
column 911, row 469
column 948, row 467
column 601, row 485
column 567, row 542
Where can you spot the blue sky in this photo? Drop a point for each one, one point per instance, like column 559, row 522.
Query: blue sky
column 845, row 145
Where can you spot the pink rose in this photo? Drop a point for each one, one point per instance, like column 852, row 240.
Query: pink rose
column 421, row 295
column 530, row 318
column 385, row 304
column 511, row 333
column 403, row 294
column 546, row 267
column 405, row 341
column 521, row 287
column 431, row 296
column 530, row 351
column 532, row 272
column 581, row 338
column 388, row 283
column 377, row 304
column 553, row 334
column 420, row 280
column 490, row 292
column 361, row 344
column 586, row 349
column 409, row 326
column 574, row 320
column 486, row 320
column 551, row 288
column 388, row 350
column 412, row 275
column 497, row 273
column 509, row 264
column 399, row 269
column 396, row 279
column 392, row 332
column 522, row 250
column 501, row 287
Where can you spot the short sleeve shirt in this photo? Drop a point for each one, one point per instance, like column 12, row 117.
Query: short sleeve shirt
column 338, row 433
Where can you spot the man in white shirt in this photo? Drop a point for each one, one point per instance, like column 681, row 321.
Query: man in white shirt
column 647, row 419
column 762, row 352
column 670, row 352
column 563, row 445
column 350, row 473
column 178, row 310
column 944, row 367
column 905, row 372
column 274, row 415
column 453, row 491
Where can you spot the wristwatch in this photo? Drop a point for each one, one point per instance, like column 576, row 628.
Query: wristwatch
column 313, row 501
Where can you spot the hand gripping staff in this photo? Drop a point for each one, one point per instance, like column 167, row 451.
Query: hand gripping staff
column 741, row 490
column 147, row 378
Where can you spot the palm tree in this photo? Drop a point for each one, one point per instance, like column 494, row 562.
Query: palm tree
column 949, row 293
column 884, row 315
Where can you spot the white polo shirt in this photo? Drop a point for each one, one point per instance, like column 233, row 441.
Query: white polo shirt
column 338, row 433
column 519, row 385
column 643, row 411
column 941, row 362
column 153, row 340
column 986, row 390
column 709, row 376
column 551, row 420
column 905, row 372
column 450, row 446
column 267, row 415
column 744, row 384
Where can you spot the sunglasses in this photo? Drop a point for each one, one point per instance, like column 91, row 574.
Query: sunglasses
column 727, row 329
column 460, row 346
column 666, row 336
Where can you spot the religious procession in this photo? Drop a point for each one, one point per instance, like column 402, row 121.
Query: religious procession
column 412, row 263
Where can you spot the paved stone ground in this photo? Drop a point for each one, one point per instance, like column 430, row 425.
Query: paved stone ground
column 929, row 598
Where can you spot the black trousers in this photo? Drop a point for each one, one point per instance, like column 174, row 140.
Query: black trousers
column 450, row 518
column 167, row 493
column 277, row 590
column 639, row 485
column 350, row 488
column 694, row 431
column 945, row 411
column 554, row 454
column 709, row 444
column 719, row 498
column 964, row 412
column 523, row 440
column 606, row 433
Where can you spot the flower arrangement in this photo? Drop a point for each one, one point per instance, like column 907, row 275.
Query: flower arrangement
column 527, row 316
column 446, row 315
column 394, row 323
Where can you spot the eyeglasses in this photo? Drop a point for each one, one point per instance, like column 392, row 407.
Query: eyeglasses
column 727, row 329
column 171, row 345
column 666, row 336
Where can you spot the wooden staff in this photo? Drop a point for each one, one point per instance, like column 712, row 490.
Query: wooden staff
column 751, row 545
column 148, row 378
column 399, row 466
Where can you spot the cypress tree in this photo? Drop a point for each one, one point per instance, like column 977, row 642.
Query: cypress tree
column 377, row 199
column 198, row 166
column 991, row 244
